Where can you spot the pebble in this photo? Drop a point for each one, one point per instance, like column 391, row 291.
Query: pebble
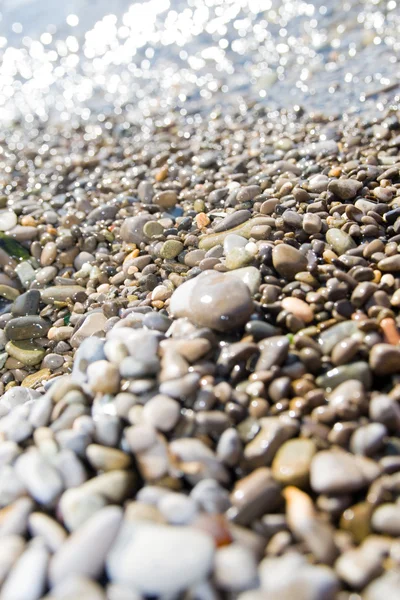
column 292, row 576
column 336, row 472
column 76, row 556
column 178, row 509
column 255, row 495
column 41, row 479
column 140, row 546
column 250, row 276
column 384, row 359
column 25, row 273
column 232, row 221
column 103, row 458
column 318, row 184
column 26, row 327
column 171, row 248
column 26, row 304
column 8, row 292
column 103, row 377
column 345, row 189
column 34, row 379
column 43, row 526
column 49, row 254
column 358, row 370
column 307, row 526
column 386, row 519
column 291, row 465
column 340, row 241
column 8, row 220
column 386, row 586
column 77, row 586
column 335, row 334
column 299, row 308
column 233, row 241
column 62, row 293
column 237, row 258
column 274, row 351
column 368, row 439
column 213, row 300
column 132, row 229
column 166, row 199
column 235, row 568
column 27, row 578
column 344, row 351
column 357, row 567
column 208, row 241
column 391, row 264
column 288, row 261
column 161, row 412
column 27, row 352
column 93, row 324
column 312, row 223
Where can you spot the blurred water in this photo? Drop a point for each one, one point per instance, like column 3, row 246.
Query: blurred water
column 88, row 57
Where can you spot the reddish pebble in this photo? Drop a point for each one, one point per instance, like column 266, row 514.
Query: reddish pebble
column 299, row 308
column 390, row 331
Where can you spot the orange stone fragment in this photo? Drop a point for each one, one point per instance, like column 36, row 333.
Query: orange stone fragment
column 390, row 331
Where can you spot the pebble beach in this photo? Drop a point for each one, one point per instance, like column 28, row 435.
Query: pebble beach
column 200, row 309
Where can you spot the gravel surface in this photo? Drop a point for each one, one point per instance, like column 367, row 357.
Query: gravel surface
column 200, row 358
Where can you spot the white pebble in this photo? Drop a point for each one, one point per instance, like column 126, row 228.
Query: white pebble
column 42, row 481
column 84, row 552
column 8, row 220
column 27, row 579
column 183, row 555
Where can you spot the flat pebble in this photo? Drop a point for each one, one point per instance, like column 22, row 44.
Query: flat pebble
column 140, row 546
column 61, row 293
column 27, row 352
column 334, row 472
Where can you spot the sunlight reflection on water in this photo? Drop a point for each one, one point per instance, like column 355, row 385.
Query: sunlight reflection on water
column 159, row 54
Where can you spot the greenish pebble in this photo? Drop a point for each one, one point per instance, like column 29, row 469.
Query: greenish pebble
column 291, row 465
column 237, row 258
column 153, row 229
column 250, row 276
column 358, row 370
column 3, row 358
column 171, row 249
column 335, row 334
column 8, row 292
column 29, row 353
column 199, row 206
column 13, row 248
column 214, row 239
column 26, row 273
column 340, row 241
